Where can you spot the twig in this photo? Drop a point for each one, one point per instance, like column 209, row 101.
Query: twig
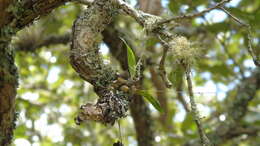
column 148, row 21
column 250, row 48
column 233, row 17
column 190, row 16
column 236, row 110
column 204, row 139
column 249, row 36
column 162, row 97
column 224, row 46
column 180, row 97
column 162, row 70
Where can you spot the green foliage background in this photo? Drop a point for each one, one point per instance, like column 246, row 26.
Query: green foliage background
column 50, row 91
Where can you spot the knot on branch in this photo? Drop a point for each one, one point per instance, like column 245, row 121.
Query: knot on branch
column 87, row 61
column 107, row 110
column 150, row 24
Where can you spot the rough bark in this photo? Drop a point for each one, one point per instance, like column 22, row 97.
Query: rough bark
column 14, row 15
column 143, row 121
column 8, row 85
column 22, row 13
column 87, row 61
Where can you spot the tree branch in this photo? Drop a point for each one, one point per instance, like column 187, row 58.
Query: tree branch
column 236, row 110
column 30, row 43
column 8, row 85
column 191, row 16
column 204, row 139
column 25, row 12
column 250, row 49
column 85, row 59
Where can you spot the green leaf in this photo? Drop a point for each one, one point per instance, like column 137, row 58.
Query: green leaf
column 151, row 99
column 131, row 60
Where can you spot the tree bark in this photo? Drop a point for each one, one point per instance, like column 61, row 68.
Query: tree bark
column 8, row 85
column 14, row 15
column 25, row 12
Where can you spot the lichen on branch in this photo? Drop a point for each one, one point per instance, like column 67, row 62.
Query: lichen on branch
column 87, row 61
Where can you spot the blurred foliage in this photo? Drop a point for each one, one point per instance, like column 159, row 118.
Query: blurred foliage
column 50, row 91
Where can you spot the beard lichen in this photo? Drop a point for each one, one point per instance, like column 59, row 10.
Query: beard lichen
column 183, row 51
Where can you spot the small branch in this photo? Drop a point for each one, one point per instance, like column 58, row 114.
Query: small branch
column 29, row 43
column 233, row 17
column 162, row 70
column 250, row 49
column 180, row 97
column 249, row 36
column 232, row 132
column 204, row 139
column 236, row 110
column 224, row 46
column 162, row 97
column 191, row 16
column 139, row 16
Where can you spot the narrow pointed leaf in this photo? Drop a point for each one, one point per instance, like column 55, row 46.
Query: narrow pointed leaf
column 151, row 99
column 131, row 60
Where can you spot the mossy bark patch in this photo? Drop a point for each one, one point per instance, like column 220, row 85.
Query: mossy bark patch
column 8, row 85
column 87, row 61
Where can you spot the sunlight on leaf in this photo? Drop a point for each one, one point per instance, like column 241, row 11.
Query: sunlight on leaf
column 151, row 99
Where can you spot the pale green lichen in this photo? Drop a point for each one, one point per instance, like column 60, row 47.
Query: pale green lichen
column 183, row 51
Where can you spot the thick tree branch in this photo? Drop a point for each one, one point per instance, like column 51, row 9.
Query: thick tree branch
column 86, row 60
column 8, row 85
column 22, row 13
column 14, row 15
column 143, row 121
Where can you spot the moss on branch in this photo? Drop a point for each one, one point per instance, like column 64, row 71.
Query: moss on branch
column 87, row 61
